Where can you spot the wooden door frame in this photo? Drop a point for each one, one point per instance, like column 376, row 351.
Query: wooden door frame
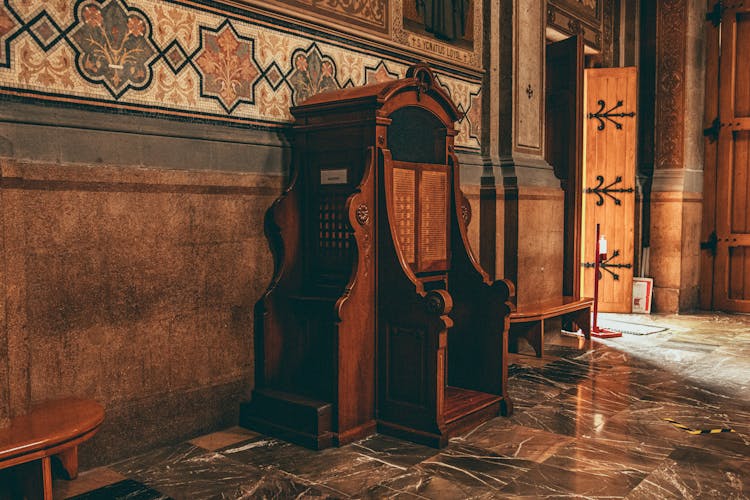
column 570, row 176
column 711, row 152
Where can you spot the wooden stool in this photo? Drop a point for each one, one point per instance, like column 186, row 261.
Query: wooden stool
column 54, row 428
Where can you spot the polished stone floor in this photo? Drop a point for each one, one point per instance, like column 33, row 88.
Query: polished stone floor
column 589, row 423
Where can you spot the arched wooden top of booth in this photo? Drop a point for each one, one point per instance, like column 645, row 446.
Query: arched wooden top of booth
column 385, row 95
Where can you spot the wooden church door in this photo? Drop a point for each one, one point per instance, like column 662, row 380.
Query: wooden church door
column 609, row 183
column 728, row 190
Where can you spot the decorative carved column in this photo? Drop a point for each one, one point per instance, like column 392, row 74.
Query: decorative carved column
column 676, row 193
column 532, row 211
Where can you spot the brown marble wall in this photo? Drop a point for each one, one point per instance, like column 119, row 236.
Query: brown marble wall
column 4, row 382
column 500, row 251
column 472, row 194
column 675, row 249
column 692, row 214
column 133, row 285
column 539, row 243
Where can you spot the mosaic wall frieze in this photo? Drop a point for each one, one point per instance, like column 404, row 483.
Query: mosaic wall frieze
column 172, row 58
column 113, row 45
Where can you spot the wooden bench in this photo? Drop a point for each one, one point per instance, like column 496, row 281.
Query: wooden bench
column 55, row 428
column 528, row 322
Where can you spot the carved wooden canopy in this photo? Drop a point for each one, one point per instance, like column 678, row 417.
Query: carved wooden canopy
column 419, row 78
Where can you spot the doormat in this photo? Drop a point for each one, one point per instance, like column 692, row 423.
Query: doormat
column 630, row 328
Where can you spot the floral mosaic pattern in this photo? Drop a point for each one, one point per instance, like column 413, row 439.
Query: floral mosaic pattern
column 379, row 74
column 113, row 45
column 313, row 73
column 173, row 58
column 474, row 116
column 227, row 66
column 51, row 70
column 7, row 25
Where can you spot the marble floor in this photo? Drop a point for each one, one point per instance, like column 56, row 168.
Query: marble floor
column 589, row 423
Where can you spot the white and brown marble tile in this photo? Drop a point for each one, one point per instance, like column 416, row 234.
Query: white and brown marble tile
column 503, row 437
column 696, row 474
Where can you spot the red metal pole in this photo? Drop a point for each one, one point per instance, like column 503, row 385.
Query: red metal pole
column 596, row 281
column 595, row 330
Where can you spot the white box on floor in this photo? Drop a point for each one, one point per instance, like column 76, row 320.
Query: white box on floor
column 642, row 288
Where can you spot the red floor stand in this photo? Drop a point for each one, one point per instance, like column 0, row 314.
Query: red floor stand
column 596, row 331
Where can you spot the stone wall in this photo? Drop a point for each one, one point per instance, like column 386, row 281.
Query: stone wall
column 129, row 281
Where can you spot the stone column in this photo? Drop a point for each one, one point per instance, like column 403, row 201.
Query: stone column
column 677, row 187
column 532, row 204
column 489, row 229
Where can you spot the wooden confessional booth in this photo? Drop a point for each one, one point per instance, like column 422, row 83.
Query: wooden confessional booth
column 378, row 315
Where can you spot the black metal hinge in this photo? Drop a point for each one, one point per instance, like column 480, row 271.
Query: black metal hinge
column 712, row 132
column 711, row 243
column 607, row 190
column 605, row 265
column 716, row 13
column 608, row 115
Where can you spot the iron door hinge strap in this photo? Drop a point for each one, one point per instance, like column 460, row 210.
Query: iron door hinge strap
column 711, row 243
column 606, row 265
column 712, row 132
column 716, row 13
column 607, row 190
column 609, row 115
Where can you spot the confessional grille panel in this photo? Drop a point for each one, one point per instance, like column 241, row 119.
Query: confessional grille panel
column 404, row 208
column 433, row 217
column 333, row 235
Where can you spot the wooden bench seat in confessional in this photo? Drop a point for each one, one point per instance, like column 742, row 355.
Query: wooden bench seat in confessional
column 528, row 322
column 378, row 315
